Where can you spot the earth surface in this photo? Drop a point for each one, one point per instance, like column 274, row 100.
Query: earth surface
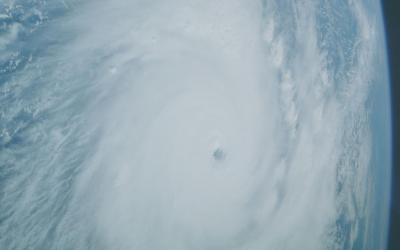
column 177, row 125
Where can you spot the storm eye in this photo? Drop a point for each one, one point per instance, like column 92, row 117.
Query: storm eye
column 219, row 154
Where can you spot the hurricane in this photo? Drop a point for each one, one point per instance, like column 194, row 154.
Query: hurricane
column 177, row 125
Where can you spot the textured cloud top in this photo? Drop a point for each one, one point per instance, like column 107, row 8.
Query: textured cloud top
column 230, row 124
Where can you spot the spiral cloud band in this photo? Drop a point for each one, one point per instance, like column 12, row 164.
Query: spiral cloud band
column 198, row 124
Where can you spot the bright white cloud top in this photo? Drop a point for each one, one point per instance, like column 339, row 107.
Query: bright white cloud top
column 177, row 125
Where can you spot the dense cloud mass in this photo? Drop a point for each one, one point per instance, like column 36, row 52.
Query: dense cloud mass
column 229, row 124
